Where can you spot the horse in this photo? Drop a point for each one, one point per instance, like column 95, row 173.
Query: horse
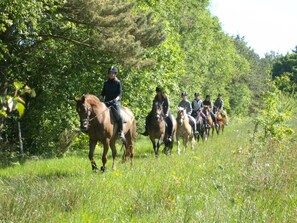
column 201, row 128
column 97, row 120
column 184, row 130
column 221, row 121
column 209, row 122
column 157, row 129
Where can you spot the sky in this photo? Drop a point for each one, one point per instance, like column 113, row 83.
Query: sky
column 266, row 25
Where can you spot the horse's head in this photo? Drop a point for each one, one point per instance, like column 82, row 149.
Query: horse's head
column 157, row 110
column 181, row 115
column 206, row 110
column 84, row 111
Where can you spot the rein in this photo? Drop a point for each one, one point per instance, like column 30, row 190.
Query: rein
column 88, row 119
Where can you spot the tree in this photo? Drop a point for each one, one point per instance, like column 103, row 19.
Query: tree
column 60, row 49
column 286, row 65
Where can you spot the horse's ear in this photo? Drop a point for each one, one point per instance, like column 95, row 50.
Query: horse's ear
column 76, row 98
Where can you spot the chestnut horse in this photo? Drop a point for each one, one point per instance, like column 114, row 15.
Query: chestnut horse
column 97, row 121
column 157, row 129
column 221, row 119
column 184, row 130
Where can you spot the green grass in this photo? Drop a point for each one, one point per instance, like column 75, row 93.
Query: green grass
column 222, row 180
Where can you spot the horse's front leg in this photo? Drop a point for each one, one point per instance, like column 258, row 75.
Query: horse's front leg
column 92, row 145
column 114, row 154
column 160, row 141
column 178, row 145
column 185, row 141
column 104, row 154
column 154, row 146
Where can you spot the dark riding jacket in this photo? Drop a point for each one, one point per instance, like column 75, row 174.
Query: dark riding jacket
column 208, row 103
column 187, row 105
column 111, row 90
column 219, row 104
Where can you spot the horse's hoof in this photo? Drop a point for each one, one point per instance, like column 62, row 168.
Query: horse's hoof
column 103, row 169
column 94, row 166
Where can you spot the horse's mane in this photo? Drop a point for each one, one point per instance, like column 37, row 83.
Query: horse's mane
column 92, row 99
column 183, row 110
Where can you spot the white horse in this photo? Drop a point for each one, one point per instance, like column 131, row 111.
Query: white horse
column 184, row 130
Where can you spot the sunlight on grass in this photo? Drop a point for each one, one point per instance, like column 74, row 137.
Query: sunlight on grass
column 218, row 181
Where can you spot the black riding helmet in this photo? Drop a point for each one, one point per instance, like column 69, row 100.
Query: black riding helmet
column 113, row 69
column 159, row 89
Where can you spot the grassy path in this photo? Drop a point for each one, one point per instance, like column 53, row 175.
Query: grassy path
column 221, row 180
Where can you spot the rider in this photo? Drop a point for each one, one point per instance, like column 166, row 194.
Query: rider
column 197, row 106
column 162, row 99
column 209, row 103
column 112, row 93
column 187, row 105
column 219, row 103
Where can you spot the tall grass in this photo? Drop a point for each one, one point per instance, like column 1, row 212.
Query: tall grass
column 226, row 179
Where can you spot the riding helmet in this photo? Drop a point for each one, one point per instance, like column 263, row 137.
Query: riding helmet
column 196, row 94
column 159, row 89
column 113, row 69
column 183, row 94
column 219, row 94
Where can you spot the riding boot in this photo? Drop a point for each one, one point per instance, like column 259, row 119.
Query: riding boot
column 216, row 123
column 120, row 130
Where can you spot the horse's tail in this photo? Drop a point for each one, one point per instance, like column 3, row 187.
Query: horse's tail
column 133, row 131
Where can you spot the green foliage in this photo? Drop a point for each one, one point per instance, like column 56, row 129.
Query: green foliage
column 10, row 103
column 285, row 65
column 63, row 48
column 277, row 111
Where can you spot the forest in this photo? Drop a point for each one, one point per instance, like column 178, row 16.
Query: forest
column 52, row 51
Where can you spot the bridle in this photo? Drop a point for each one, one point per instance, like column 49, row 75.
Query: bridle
column 87, row 120
column 159, row 107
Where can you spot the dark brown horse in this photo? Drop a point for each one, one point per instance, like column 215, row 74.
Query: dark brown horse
column 210, row 126
column 184, row 130
column 156, row 127
column 201, row 128
column 98, row 122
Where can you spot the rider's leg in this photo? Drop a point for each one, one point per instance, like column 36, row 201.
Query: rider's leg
column 193, row 121
column 118, row 116
column 213, row 118
column 170, row 129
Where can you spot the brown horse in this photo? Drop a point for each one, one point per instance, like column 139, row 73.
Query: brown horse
column 209, row 122
column 221, row 119
column 156, row 127
column 184, row 130
column 98, row 122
